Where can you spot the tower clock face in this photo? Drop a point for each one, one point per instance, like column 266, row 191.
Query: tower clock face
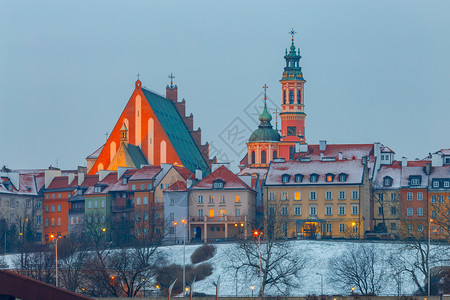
column 291, row 130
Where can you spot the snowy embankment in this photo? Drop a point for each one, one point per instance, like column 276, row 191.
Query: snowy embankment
column 318, row 254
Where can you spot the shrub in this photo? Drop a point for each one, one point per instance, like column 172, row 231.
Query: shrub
column 203, row 253
column 201, row 271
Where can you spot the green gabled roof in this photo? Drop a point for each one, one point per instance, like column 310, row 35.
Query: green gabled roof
column 176, row 130
column 136, row 155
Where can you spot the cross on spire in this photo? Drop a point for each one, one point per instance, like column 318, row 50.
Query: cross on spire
column 138, row 75
column 292, row 33
column 265, row 87
column 171, row 76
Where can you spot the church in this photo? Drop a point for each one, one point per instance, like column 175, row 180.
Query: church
column 152, row 130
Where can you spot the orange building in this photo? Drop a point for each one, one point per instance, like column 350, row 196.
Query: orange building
column 152, row 130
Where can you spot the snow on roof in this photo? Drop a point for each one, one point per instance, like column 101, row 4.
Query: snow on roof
column 231, row 180
column 353, row 168
column 440, row 172
column 108, row 182
column 386, row 149
column 250, row 171
column 147, row 172
column 349, row 151
column 445, row 151
column 96, row 153
column 179, row 186
column 394, row 171
column 413, row 171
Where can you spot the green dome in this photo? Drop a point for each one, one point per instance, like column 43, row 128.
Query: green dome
column 265, row 132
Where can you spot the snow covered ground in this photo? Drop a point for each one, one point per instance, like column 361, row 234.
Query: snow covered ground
column 318, row 253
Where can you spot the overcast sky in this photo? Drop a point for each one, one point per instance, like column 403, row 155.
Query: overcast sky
column 375, row 71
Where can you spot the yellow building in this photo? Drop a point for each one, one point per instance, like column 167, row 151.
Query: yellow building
column 319, row 199
column 439, row 202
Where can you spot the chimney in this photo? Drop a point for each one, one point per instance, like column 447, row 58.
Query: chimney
column 428, row 169
column 404, row 162
column 50, row 174
column 172, row 92
column 80, row 178
column 70, row 178
column 322, row 145
column 321, row 155
column 301, row 148
column 198, row 174
column 437, row 159
column 340, row 155
column 102, row 174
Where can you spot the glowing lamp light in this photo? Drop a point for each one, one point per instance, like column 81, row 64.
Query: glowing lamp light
column 175, row 223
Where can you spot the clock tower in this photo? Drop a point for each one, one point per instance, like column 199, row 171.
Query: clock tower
column 292, row 102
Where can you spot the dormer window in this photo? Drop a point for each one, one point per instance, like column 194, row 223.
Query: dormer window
column 314, row 177
column 343, row 177
column 285, row 178
column 80, row 192
column 99, row 188
column 298, row 177
column 435, row 184
column 124, row 180
column 415, row 180
column 218, row 184
column 329, row 177
column 387, row 181
column 446, row 184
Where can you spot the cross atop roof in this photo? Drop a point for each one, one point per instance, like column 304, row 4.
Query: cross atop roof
column 265, row 87
column 292, row 33
column 171, row 76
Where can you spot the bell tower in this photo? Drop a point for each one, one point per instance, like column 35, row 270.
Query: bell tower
column 292, row 97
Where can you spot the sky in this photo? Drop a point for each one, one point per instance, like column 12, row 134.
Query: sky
column 376, row 71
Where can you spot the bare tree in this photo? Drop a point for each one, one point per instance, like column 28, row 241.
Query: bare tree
column 361, row 267
column 72, row 256
column 37, row 262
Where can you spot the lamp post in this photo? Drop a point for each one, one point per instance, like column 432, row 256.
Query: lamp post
column 258, row 234
column 143, row 284
column 175, row 225
column 252, row 287
column 353, row 290
column 353, row 228
column 56, row 256
column 428, row 254
column 321, row 283
column 184, row 256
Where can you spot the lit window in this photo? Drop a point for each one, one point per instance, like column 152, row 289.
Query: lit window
column 211, row 199
column 329, row 177
column 297, row 196
column 222, row 213
column 284, row 196
column 238, row 198
column 211, row 213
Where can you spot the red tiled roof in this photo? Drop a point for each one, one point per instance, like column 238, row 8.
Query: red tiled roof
column 147, row 172
column 185, row 172
column 179, row 186
column 232, row 181
column 89, row 180
column 349, row 151
column 244, row 161
column 62, row 182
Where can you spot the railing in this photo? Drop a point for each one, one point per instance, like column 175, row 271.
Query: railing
column 76, row 210
column 218, row 219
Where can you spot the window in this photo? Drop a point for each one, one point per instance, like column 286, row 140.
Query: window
column 161, row 186
column 53, row 221
column 211, row 199
column 102, row 203
column 419, row 196
column 253, row 157
column 284, row 210
column 297, row 210
column 284, row 97
column 200, row 199
column 441, row 199
column 222, row 213
column 433, row 214
column 167, row 185
column 393, row 197
column 299, row 96
column 409, row 211
column 312, row 210
column 409, row 196
column 59, row 195
column 341, row 209
column 414, row 181
column 284, row 196
column 433, row 199
column 285, row 178
column 291, row 97
column 355, row 195
column 380, row 210
column 446, row 184
column 69, row 195
column 145, row 200
column 328, row 228
column 329, row 178
column 38, row 220
column 46, row 208
column 95, row 204
column 328, row 210
column 341, row 195
column 355, row 209
column 342, row 177
column 142, row 186
column 46, row 222
column 419, row 227
column 211, row 213
column 218, row 184
column 149, row 186
column 314, row 177
column 393, row 210
column 312, row 195
column 238, row 198
column 237, row 212
column 200, row 212
column 59, row 221
column 171, row 216
column 89, row 204
column 28, row 203
column 420, row 211
column 387, row 181
column 53, row 195
column 298, row 196
column 53, row 208
column 393, row 226
column 435, row 184
column 222, row 199
column 46, row 196
column 263, row 157
column 328, row 195
column 172, row 202
column 341, row 227
column 380, row 196
column 133, row 187
column 59, row 207
column 271, row 196
column 97, row 189
column 298, row 178
column 409, row 227
column 271, row 210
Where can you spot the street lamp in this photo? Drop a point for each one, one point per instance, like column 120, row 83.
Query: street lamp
column 175, row 224
column 428, row 255
column 143, row 284
column 252, row 287
column 185, row 289
column 353, row 228
column 321, row 283
column 56, row 255
column 258, row 234
column 353, row 289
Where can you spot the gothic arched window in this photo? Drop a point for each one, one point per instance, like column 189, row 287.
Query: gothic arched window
column 263, row 157
column 291, row 97
column 253, row 157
